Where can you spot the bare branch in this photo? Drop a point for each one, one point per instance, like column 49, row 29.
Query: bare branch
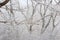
column 3, row 3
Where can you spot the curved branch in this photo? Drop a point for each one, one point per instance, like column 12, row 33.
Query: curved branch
column 3, row 3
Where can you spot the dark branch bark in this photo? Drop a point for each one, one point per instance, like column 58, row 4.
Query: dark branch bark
column 3, row 3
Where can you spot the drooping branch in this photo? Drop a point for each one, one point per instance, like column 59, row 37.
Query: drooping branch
column 3, row 3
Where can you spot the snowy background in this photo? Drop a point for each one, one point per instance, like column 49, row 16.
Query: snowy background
column 30, row 20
